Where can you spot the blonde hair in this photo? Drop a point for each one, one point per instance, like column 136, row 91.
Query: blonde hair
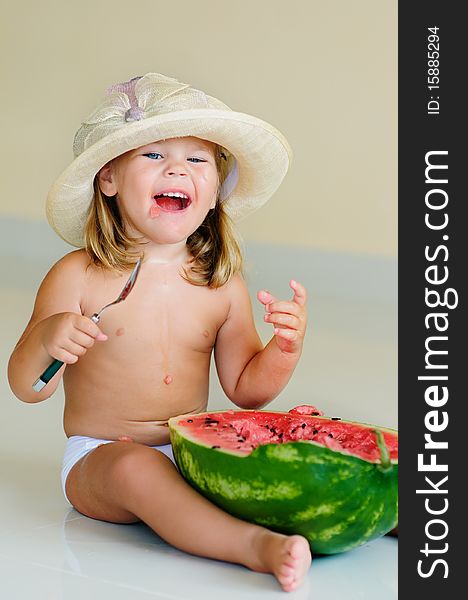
column 215, row 250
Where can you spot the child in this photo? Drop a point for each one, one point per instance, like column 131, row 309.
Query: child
column 159, row 170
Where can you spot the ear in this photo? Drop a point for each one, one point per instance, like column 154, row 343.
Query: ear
column 106, row 180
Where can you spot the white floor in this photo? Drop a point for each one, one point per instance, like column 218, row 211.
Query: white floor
column 48, row 551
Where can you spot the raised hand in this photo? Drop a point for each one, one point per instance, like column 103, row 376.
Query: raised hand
column 289, row 318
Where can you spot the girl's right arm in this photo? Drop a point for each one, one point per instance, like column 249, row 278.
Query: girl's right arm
column 56, row 330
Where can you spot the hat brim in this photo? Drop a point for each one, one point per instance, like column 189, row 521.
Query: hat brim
column 263, row 157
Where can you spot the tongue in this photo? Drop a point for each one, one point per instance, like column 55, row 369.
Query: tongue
column 169, row 203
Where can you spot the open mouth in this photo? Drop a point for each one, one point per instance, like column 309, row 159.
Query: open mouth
column 172, row 202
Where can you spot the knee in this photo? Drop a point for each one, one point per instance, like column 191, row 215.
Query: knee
column 134, row 462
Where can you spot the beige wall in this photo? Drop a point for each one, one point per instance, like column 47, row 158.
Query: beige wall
column 323, row 72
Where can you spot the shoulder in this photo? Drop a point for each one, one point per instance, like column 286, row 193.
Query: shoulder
column 236, row 284
column 235, row 288
column 65, row 281
column 61, row 289
column 237, row 296
column 71, row 266
column 75, row 260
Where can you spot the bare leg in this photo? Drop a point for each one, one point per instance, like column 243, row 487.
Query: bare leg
column 125, row 483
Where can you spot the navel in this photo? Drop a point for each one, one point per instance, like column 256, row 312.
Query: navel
column 167, row 380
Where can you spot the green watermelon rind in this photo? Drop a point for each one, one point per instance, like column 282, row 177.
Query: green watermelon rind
column 336, row 500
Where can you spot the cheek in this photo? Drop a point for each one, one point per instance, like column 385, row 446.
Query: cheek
column 133, row 187
column 210, row 182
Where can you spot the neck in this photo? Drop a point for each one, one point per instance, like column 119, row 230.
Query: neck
column 177, row 253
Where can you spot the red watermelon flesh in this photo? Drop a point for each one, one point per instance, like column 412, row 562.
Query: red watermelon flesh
column 242, row 432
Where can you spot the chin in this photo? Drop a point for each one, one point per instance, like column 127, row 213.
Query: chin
column 170, row 238
column 174, row 233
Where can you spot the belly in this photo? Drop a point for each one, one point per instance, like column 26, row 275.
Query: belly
column 109, row 395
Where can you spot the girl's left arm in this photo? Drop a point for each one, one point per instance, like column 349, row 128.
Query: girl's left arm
column 252, row 375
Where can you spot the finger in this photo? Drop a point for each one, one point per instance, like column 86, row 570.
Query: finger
column 287, row 334
column 265, row 297
column 282, row 319
column 82, row 339
column 300, row 293
column 74, row 348
column 285, row 306
column 90, row 328
column 65, row 356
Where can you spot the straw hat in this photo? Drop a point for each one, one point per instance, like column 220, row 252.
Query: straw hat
column 155, row 107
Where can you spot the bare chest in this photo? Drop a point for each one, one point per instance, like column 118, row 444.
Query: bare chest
column 163, row 314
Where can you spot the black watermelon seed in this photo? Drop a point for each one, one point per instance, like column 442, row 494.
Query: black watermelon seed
column 315, row 414
column 280, row 435
column 294, row 430
column 189, row 420
column 215, row 447
column 315, row 431
column 336, row 419
column 330, row 435
column 303, row 425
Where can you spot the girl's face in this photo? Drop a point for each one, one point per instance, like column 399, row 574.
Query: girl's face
column 183, row 169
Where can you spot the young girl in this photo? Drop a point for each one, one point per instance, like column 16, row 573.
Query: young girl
column 160, row 169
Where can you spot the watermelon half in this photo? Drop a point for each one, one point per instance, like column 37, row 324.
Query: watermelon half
column 333, row 481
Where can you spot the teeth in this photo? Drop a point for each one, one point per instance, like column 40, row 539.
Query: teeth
column 174, row 195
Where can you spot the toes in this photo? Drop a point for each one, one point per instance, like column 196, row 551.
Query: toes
column 294, row 560
column 286, row 572
column 298, row 546
column 289, row 587
column 296, row 563
column 287, row 584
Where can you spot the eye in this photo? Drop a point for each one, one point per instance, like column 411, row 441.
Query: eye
column 197, row 159
column 152, row 155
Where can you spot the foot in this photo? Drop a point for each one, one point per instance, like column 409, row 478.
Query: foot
column 288, row 558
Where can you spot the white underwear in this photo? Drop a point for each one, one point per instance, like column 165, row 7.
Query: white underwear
column 79, row 445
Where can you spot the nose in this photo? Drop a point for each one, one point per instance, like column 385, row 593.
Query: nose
column 176, row 167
